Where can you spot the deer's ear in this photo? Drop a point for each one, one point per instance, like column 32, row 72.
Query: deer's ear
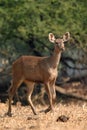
column 51, row 38
column 66, row 37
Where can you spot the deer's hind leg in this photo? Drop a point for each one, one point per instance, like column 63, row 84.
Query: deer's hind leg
column 11, row 92
column 30, row 87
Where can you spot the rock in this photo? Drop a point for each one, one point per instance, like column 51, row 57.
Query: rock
column 62, row 118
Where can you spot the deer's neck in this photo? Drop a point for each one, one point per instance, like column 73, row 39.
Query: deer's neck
column 55, row 59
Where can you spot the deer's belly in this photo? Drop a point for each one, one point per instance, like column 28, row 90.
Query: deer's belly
column 33, row 75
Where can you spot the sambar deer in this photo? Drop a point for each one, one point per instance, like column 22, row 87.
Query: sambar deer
column 33, row 69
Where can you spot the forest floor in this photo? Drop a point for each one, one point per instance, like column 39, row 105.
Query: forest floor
column 73, row 109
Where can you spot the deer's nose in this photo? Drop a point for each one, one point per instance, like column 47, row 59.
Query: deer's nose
column 63, row 49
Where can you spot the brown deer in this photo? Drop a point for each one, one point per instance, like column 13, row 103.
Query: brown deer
column 33, row 69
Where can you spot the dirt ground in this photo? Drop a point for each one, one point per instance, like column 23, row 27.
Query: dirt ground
column 23, row 118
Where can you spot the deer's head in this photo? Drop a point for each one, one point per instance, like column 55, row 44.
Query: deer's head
column 59, row 43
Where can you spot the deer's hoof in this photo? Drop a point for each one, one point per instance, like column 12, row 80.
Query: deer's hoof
column 35, row 113
column 49, row 109
column 9, row 114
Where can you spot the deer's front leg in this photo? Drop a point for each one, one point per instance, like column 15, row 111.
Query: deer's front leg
column 48, row 90
column 53, row 91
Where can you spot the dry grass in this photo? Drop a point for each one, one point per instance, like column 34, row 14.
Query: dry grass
column 23, row 118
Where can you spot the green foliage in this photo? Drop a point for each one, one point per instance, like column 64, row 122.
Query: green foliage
column 30, row 21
